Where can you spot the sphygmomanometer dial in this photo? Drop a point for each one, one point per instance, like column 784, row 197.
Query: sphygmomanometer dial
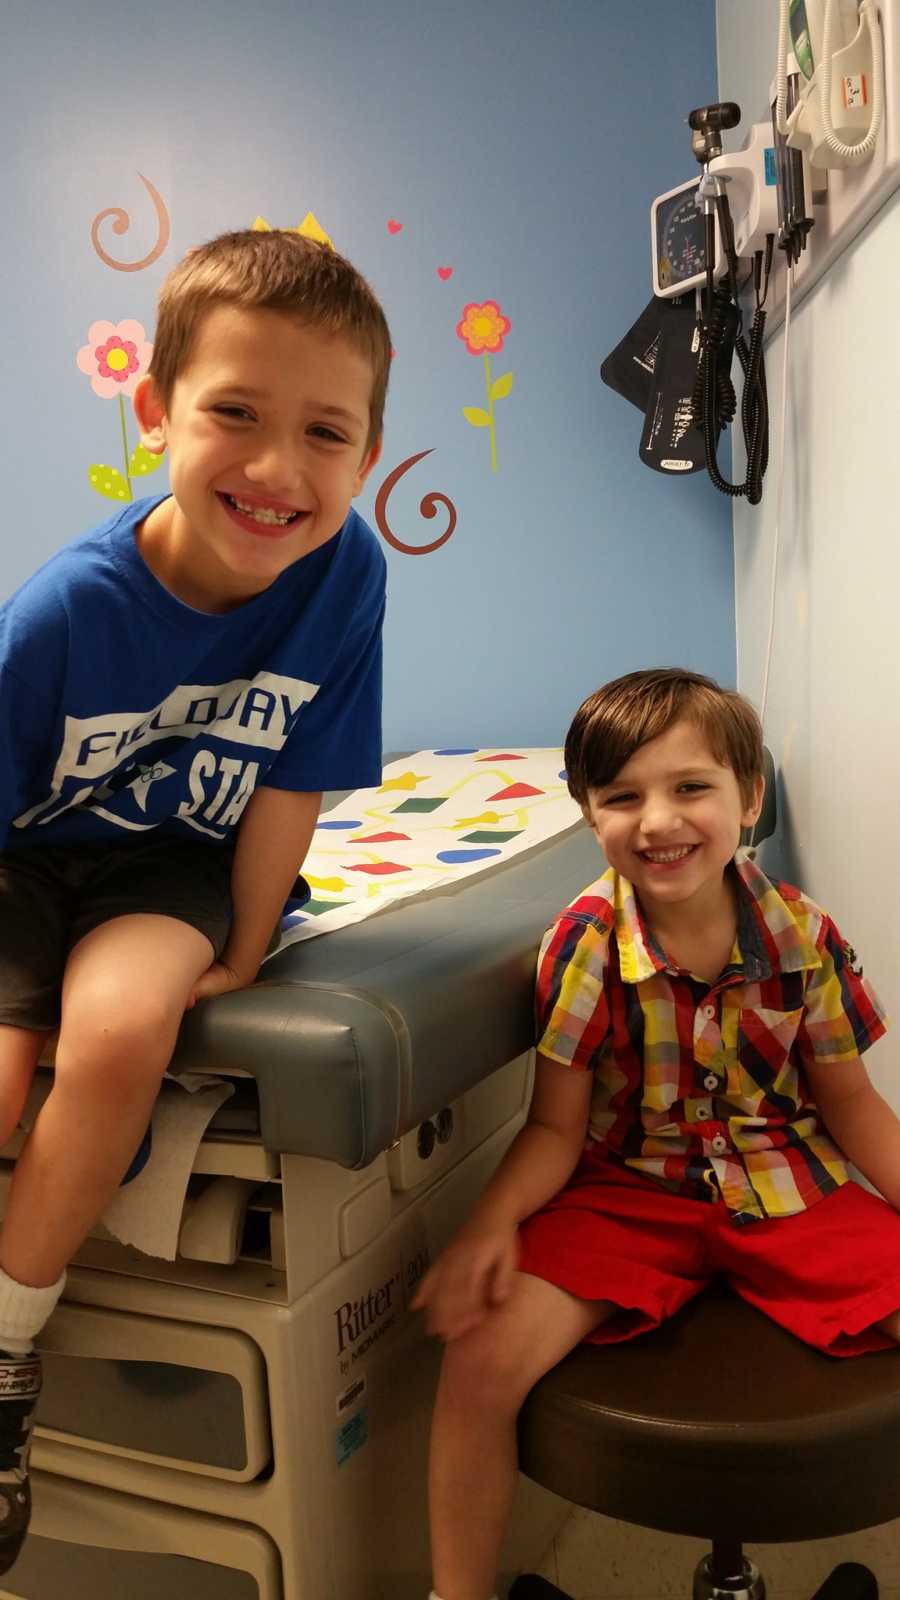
column 681, row 246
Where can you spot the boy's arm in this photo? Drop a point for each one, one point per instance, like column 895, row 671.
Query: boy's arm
column 544, row 1153
column 860, row 1122
column 273, row 838
column 477, row 1269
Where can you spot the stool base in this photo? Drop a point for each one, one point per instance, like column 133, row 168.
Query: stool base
column 727, row 1574
column 531, row 1587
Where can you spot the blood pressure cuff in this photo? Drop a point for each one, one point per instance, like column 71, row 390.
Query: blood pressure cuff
column 629, row 368
column 655, row 368
column 671, row 442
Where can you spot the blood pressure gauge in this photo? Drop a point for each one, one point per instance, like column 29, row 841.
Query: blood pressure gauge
column 678, row 242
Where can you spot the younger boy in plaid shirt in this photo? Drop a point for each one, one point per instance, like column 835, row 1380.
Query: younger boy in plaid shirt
column 698, row 1092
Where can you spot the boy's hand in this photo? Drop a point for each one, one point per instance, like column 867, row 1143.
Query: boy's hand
column 217, row 979
column 474, row 1273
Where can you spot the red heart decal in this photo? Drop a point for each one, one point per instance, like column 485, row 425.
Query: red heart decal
column 444, row 273
column 394, row 227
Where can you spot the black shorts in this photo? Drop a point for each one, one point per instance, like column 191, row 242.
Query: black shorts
column 52, row 895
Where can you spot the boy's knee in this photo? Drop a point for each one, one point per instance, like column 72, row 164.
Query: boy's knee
column 488, row 1367
column 114, row 1050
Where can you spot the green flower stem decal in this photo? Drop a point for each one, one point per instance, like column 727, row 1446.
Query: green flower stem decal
column 115, row 359
column 483, row 328
column 125, row 446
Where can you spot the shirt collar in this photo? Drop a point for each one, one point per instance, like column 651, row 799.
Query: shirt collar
column 770, row 937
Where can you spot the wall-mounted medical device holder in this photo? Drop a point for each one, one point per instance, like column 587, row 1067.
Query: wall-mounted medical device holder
column 794, row 183
column 751, row 176
column 855, row 46
column 677, row 230
column 839, row 52
column 713, row 237
column 719, row 304
column 675, row 362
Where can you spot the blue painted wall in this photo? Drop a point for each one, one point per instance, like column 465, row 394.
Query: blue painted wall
column 519, row 143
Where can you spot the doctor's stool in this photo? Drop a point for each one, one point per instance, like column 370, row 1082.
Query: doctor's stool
column 721, row 1425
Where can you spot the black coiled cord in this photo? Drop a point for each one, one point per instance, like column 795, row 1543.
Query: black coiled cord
column 755, row 407
column 714, row 401
column 724, row 397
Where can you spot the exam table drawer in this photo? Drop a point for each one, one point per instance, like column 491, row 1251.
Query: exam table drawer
column 178, row 1394
column 91, row 1544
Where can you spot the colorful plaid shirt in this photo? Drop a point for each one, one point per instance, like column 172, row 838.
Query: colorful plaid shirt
column 702, row 1086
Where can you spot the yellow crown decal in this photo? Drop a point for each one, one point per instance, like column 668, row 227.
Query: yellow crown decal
column 310, row 228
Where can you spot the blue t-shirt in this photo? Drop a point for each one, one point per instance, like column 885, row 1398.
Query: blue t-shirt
column 124, row 710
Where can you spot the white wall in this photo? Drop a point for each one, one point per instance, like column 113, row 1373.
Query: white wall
column 833, row 720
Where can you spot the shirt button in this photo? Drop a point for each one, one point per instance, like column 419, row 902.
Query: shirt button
column 710, row 1081
column 709, row 1012
column 702, row 1113
column 719, row 1144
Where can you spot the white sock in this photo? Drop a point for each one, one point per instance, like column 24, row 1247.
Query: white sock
column 23, row 1312
column 434, row 1596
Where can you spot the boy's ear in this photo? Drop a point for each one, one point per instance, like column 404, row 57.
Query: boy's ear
column 151, row 416
column 751, row 812
column 368, row 462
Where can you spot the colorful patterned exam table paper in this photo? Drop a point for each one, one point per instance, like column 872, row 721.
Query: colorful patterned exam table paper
column 437, row 816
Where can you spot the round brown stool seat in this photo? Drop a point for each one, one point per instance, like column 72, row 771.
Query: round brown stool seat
column 719, row 1424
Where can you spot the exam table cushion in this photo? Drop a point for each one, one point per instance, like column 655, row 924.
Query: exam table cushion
column 356, row 1037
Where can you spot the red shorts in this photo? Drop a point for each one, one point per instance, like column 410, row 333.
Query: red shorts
column 828, row 1274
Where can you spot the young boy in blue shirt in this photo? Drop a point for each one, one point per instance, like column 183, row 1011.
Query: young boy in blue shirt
column 698, row 1090
column 176, row 690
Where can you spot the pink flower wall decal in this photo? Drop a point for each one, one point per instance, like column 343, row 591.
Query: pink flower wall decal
column 115, row 358
column 483, row 329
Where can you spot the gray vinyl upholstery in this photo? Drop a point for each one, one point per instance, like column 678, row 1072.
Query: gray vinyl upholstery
column 355, row 1037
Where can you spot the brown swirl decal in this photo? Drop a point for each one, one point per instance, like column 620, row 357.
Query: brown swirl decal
column 121, row 225
column 427, row 505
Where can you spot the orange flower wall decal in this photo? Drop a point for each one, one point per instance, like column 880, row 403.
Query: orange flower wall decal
column 483, row 329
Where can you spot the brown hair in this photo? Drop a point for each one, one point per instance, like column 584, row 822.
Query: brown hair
column 616, row 720
column 273, row 271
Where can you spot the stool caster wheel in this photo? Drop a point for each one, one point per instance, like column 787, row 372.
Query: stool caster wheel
column 530, row 1587
column 849, row 1581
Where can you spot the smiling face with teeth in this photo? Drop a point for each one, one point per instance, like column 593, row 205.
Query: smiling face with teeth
column 267, row 433
column 670, row 823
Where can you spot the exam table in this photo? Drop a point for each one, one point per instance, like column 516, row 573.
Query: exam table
column 249, row 1421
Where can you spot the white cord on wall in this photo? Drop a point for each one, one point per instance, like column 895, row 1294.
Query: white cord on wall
column 779, row 491
column 779, row 506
